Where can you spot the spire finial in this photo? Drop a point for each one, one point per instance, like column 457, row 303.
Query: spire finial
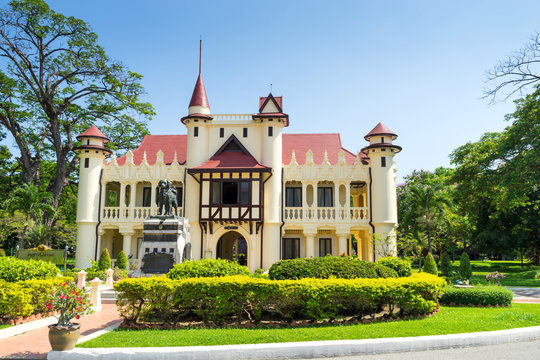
column 270, row 88
column 200, row 54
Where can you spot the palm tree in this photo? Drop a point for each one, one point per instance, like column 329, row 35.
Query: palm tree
column 428, row 201
column 32, row 203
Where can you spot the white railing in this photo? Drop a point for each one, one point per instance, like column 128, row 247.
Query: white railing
column 341, row 214
column 136, row 214
column 231, row 116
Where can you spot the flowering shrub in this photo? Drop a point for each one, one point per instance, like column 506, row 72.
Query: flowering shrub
column 70, row 301
column 494, row 278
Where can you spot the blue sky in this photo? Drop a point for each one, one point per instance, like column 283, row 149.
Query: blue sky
column 341, row 66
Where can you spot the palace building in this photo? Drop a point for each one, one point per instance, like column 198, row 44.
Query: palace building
column 249, row 190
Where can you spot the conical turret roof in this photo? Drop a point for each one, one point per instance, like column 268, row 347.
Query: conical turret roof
column 380, row 129
column 199, row 95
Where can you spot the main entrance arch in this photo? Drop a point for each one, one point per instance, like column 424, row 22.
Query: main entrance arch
column 232, row 246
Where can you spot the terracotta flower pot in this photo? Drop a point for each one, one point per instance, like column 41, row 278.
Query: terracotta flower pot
column 64, row 338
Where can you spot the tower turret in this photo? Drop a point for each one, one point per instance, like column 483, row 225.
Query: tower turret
column 382, row 188
column 272, row 121
column 91, row 153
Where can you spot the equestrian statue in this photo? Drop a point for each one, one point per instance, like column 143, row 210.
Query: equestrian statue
column 166, row 198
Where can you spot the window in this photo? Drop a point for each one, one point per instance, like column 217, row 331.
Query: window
column 221, row 132
column 86, row 162
column 383, row 161
column 270, row 131
column 87, row 141
column 382, row 139
column 146, row 197
column 171, row 250
column 245, row 132
column 196, row 131
column 325, row 247
column 290, row 248
column 293, row 196
column 324, row 197
column 231, row 192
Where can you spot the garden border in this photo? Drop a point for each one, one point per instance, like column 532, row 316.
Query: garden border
column 307, row 349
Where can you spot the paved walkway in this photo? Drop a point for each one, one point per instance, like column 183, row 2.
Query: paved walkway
column 35, row 344
column 526, row 295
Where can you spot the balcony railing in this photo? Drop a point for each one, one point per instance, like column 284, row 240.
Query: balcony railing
column 136, row 214
column 305, row 214
column 231, row 116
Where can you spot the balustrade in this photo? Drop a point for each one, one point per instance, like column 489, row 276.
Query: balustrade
column 341, row 214
column 231, row 116
column 136, row 214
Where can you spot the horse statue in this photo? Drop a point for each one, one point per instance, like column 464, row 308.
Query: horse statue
column 166, row 198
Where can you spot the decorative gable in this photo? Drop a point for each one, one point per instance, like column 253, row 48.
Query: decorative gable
column 270, row 104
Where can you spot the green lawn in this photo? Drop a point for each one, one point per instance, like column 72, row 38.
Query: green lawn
column 449, row 320
column 3, row 326
column 514, row 275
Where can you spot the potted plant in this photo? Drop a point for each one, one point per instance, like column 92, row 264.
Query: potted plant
column 71, row 302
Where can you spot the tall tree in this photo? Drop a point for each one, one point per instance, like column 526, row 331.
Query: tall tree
column 55, row 81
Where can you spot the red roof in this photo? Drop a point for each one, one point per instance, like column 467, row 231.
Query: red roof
column 279, row 101
column 380, row 129
column 94, row 132
column 151, row 144
column 231, row 160
column 300, row 143
column 318, row 144
column 199, row 94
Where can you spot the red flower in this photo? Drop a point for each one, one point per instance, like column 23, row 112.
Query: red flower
column 77, row 317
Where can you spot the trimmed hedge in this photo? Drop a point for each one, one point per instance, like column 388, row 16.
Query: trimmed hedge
column 402, row 266
column 239, row 298
column 207, row 268
column 328, row 267
column 483, row 295
column 13, row 269
column 26, row 297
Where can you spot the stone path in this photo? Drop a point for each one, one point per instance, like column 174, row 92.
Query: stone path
column 526, row 295
column 35, row 344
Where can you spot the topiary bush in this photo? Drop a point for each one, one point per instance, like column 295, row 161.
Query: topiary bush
column 446, row 266
column 104, row 261
column 430, row 266
column 482, row 295
column 465, row 269
column 327, row 267
column 13, row 269
column 207, row 268
column 239, row 298
column 402, row 266
column 121, row 261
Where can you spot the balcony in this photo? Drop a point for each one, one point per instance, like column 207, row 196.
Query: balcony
column 129, row 214
column 353, row 215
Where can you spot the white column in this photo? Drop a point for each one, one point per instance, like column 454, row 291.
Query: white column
column 126, row 242
column 342, row 244
column 122, row 200
column 310, row 245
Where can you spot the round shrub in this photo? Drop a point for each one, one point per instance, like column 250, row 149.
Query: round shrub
column 104, row 262
column 429, row 265
column 207, row 268
column 13, row 269
column 402, row 266
column 121, row 260
column 482, row 295
column 385, row 272
column 465, row 269
column 327, row 267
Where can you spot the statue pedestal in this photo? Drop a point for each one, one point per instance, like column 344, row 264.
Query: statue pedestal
column 165, row 242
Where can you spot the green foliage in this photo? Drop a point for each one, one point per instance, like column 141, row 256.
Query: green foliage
column 242, row 297
column 2, row 252
column 429, row 265
column 207, row 268
column 119, row 274
column 27, row 297
column 14, row 301
column 13, row 269
column 465, row 269
column 483, row 295
column 446, row 265
column 104, row 261
column 401, row 266
column 327, row 267
column 122, row 260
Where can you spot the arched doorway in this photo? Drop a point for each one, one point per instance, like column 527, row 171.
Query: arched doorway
column 232, row 246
